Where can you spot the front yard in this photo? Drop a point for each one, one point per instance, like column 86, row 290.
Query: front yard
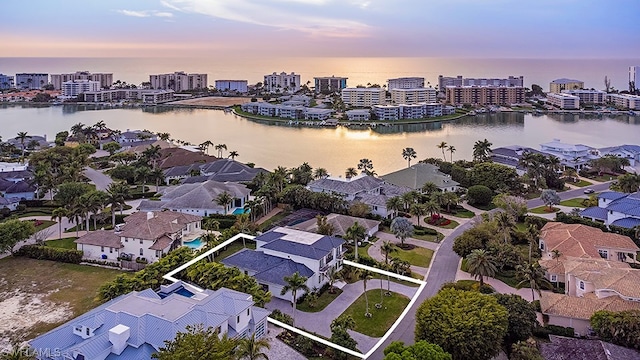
column 574, row 203
column 417, row 256
column 321, row 302
column 38, row 295
column 64, row 243
column 544, row 210
column 381, row 319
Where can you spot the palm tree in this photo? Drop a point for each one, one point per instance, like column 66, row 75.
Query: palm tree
column 224, row 199
column 401, row 228
column 533, row 274
column 366, row 166
column 294, row 283
column 22, row 136
column 505, row 223
column 251, row 348
column 117, row 193
column 320, row 173
column 205, row 145
column 408, row 154
column 429, row 188
column 233, row 154
column 451, row 150
column 481, row 264
column 157, row 175
column 432, row 207
column 481, row 150
column 152, row 153
column 442, row 146
column 451, row 198
column 165, row 136
column 555, row 254
column 418, row 210
column 387, row 248
column 355, row 233
column 143, row 173
column 629, row 183
column 350, row 172
column 59, row 214
column 396, row 204
column 365, row 275
column 220, row 148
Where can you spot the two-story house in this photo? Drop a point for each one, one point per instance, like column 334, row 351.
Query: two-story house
column 415, row 176
column 615, row 208
column 282, row 252
column 136, row 325
column 144, row 235
column 574, row 156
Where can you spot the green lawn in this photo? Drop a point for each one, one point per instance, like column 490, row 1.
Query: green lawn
column 544, row 210
column 431, row 238
column 43, row 224
column 454, row 224
column 64, row 243
column 234, row 247
column 279, row 216
column 488, row 207
column 323, row 300
column 465, row 214
column 418, row 256
column 521, row 226
column 581, row 183
column 574, row 203
column 381, row 319
column 66, row 285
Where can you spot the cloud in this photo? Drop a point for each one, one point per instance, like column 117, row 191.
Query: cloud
column 146, row 13
column 315, row 17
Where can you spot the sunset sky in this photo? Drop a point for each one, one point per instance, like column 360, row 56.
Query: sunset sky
column 441, row 28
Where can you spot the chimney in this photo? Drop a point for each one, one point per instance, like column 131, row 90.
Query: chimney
column 149, row 215
column 118, row 336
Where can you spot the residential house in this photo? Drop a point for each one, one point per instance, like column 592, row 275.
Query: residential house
column 574, row 156
column 144, row 235
column 564, row 348
column 199, row 198
column 510, row 156
column 223, row 170
column 557, row 85
column 415, row 176
column 11, row 204
column 340, row 223
column 629, row 152
column 137, row 325
column 358, row 115
column 615, row 208
column 30, row 142
column 134, row 136
column 282, row 252
column 171, row 157
column 18, row 190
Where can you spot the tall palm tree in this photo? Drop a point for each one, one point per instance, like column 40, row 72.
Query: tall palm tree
column 481, row 150
column 350, row 172
column 408, row 154
column 233, row 154
column 505, row 223
column 205, row 145
column 224, row 199
column 320, row 173
column 387, row 248
column 117, row 193
column 22, row 136
column 59, row 214
column 365, row 275
column 451, row 198
column 432, row 207
column 366, row 166
column 157, row 175
column 143, row 173
column 220, row 148
column 152, row 153
column 430, row 188
column 294, row 283
column 533, row 274
column 481, row 264
column 165, row 136
column 251, row 348
column 418, row 210
column 395, row 204
column 451, row 150
column 356, row 233
column 442, row 146
column 333, row 275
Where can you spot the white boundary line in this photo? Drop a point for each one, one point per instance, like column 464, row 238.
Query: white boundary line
column 422, row 283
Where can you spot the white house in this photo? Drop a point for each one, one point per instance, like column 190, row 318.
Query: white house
column 615, row 208
column 575, row 156
column 144, row 235
column 282, row 252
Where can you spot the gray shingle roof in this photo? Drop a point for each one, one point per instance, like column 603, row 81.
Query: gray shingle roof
column 267, row 268
column 417, row 175
column 346, row 187
column 289, row 241
column 562, row 348
column 106, row 238
column 339, row 222
column 20, row 187
column 200, row 195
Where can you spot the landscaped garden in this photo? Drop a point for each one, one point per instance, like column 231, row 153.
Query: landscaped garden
column 320, row 302
column 417, row 256
column 381, row 318
column 574, row 203
column 544, row 210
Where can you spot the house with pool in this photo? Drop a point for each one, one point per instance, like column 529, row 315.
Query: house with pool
column 199, row 198
column 282, row 252
column 146, row 236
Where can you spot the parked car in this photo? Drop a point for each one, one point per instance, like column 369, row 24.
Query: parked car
column 589, row 191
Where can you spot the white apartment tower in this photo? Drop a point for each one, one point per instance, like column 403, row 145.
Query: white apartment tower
column 413, row 96
column 31, row 81
column 75, row 88
column 178, row 81
column 282, row 82
column 405, row 83
column 105, row 79
column 634, row 76
column 363, row 97
column 6, row 82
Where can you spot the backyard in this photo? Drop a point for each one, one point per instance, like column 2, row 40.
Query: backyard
column 381, row 319
column 64, row 243
column 40, row 295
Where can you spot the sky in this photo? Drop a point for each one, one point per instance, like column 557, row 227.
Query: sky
column 332, row 28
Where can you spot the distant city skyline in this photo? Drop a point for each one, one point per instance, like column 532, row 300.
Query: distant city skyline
column 438, row 28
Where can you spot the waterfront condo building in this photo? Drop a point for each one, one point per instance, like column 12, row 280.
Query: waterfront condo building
column 283, row 82
column 411, row 111
column 485, row 95
column 511, row 81
column 363, row 97
column 105, row 79
column 6, row 82
column 413, row 96
column 405, row 83
column 589, row 96
column 240, row 86
column 557, row 85
column 634, row 76
column 146, row 96
column 77, row 87
column 625, row 101
column 178, row 81
column 329, row 84
column 563, row 101
column 31, row 81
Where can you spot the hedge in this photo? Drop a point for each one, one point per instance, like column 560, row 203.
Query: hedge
column 50, row 253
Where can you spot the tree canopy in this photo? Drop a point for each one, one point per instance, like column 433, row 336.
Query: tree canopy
column 197, row 343
column 13, row 231
column 421, row 350
column 522, row 317
column 622, row 328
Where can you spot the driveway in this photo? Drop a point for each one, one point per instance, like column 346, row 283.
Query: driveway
column 570, row 194
column 101, row 180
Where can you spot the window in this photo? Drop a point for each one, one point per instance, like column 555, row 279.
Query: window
column 603, row 253
column 87, row 331
column 554, row 278
column 238, row 319
column 541, row 245
column 581, row 285
column 102, row 248
column 140, row 241
column 111, row 250
column 141, row 251
column 248, row 311
column 126, row 239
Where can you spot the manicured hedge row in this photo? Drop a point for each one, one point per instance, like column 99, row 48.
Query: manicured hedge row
column 50, row 253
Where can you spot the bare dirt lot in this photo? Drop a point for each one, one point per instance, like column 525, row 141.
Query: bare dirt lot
column 214, row 101
column 38, row 295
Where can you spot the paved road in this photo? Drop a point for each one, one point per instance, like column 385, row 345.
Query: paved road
column 565, row 195
column 101, row 180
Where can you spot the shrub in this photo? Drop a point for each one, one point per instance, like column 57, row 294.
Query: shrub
column 282, row 317
column 479, row 195
column 560, row 330
column 50, row 253
column 536, row 220
column 102, row 262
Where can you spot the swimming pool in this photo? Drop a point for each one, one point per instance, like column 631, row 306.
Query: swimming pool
column 196, row 243
column 240, row 211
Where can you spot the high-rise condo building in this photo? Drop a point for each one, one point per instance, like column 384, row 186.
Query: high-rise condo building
column 405, row 83
column 413, row 96
column 511, row 81
column 485, row 95
column 363, row 97
column 178, row 81
column 240, row 86
column 282, row 82
column 634, row 76
column 329, row 84
column 75, row 88
column 6, row 82
column 31, row 81
column 105, row 79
